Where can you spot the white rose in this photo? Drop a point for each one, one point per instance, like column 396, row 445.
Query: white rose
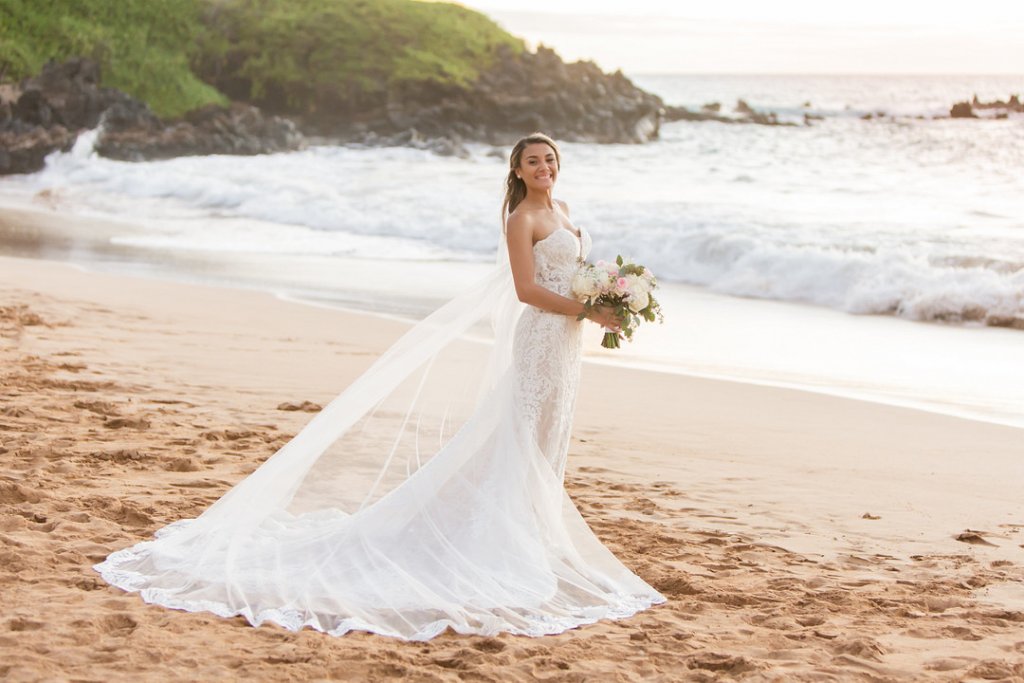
column 634, row 284
column 585, row 283
column 638, row 301
column 648, row 277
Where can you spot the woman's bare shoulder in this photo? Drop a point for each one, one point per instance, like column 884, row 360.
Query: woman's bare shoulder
column 565, row 205
column 520, row 222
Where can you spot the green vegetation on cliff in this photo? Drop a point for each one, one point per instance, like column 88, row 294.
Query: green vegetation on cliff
column 144, row 47
column 306, row 57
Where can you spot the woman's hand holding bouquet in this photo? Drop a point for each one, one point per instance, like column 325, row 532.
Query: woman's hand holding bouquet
column 624, row 287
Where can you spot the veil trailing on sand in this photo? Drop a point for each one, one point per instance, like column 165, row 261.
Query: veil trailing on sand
column 412, row 502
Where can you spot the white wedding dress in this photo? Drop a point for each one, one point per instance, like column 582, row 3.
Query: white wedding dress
column 415, row 502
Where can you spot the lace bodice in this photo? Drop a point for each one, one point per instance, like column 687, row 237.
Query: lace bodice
column 558, row 256
column 546, row 350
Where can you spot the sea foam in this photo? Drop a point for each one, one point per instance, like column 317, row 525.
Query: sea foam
column 922, row 219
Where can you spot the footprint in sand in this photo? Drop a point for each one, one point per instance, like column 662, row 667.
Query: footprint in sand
column 15, row 411
column 119, row 624
column 13, row 494
column 9, row 523
column 865, row 648
column 714, row 661
column 139, row 423
column 23, row 624
column 490, row 645
column 120, row 456
column 104, row 408
column 948, row 663
column 86, row 584
column 993, row 670
column 181, row 465
column 973, row 537
column 305, row 406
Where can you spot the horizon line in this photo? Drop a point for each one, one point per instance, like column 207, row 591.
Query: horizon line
column 971, row 74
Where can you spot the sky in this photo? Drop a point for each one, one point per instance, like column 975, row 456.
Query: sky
column 777, row 36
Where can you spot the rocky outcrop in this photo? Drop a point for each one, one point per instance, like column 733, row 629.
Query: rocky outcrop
column 46, row 112
column 744, row 114
column 67, row 95
column 520, row 93
column 743, row 108
column 26, row 151
column 962, row 110
column 65, row 99
column 1013, row 104
column 997, row 109
column 239, row 129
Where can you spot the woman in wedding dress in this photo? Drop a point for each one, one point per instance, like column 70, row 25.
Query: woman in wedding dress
column 429, row 494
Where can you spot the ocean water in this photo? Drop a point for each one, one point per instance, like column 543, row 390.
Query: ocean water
column 907, row 216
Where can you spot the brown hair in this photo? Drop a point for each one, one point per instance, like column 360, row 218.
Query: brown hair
column 515, row 187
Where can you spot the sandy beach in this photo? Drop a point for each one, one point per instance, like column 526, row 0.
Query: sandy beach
column 797, row 536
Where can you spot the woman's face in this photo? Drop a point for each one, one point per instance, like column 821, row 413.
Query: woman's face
column 538, row 166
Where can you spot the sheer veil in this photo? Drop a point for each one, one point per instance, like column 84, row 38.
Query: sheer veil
column 410, row 503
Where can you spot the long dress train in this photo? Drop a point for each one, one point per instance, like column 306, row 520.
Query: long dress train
column 392, row 514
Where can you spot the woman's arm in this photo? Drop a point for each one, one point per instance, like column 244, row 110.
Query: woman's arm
column 519, row 234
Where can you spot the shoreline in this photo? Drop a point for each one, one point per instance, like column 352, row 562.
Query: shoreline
column 54, row 234
column 852, row 415
column 794, row 534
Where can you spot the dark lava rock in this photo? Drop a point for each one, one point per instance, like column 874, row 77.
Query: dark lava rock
column 1013, row 104
column 519, row 94
column 707, row 113
column 996, row 109
column 962, row 110
column 64, row 99
column 66, row 94
column 673, row 113
column 241, row 129
column 743, row 108
column 26, row 151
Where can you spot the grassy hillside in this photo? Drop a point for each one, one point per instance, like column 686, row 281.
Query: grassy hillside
column 310, row 57
column 319, row 56
column 144, row 47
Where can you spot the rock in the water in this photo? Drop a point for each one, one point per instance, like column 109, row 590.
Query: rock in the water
column 65, row 98
column 747, row 115
column 238, row 129
column 962, row 110
column 26, row 151
column 1013, row 104
column 31, row 126
column 675, row 113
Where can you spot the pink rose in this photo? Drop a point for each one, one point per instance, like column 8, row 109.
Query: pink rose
column 621, row 283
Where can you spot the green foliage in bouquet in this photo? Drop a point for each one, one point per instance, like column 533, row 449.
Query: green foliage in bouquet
column 630, row 320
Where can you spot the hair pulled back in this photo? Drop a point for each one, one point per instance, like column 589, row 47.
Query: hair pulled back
column 515, row 187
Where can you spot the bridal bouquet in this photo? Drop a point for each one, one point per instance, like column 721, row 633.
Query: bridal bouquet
column 623, row 286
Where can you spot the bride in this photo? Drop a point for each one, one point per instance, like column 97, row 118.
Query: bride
column 429, row 494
